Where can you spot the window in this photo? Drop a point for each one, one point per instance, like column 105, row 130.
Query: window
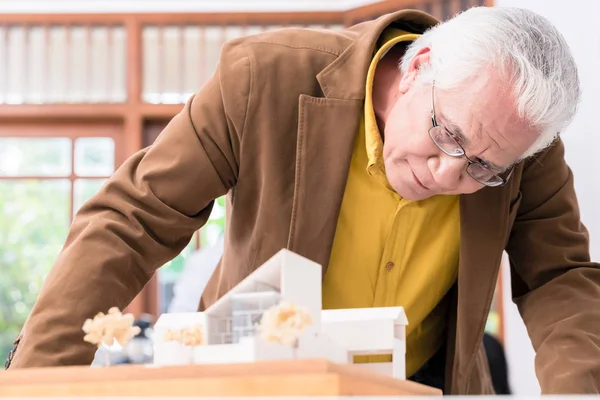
column 62, row 63
column 43, row 181
column 247, row 311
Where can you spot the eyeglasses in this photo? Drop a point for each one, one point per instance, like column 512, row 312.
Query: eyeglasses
column 447, row 143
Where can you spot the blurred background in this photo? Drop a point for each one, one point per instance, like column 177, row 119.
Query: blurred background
column 84, row 84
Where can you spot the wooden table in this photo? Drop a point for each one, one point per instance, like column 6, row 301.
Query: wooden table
column 270, row 378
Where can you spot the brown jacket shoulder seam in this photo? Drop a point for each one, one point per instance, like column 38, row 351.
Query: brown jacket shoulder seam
column 319, row 49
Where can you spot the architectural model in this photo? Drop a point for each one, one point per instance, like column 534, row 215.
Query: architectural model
column 231, row 325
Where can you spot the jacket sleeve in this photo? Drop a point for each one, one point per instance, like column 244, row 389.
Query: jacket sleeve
column 143, row 216
column 555, row 285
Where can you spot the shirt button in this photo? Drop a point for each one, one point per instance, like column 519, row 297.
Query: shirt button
column 389, row 266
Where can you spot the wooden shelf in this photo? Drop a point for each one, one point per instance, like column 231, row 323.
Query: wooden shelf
column 268, row 378
column 62, row 112
column 86, row 112
column 159, row 111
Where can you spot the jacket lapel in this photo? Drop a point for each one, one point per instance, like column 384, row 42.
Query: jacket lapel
column 326, row 130
column 484, row 219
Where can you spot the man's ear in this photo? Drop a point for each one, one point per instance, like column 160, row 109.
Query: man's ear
column 408, row 78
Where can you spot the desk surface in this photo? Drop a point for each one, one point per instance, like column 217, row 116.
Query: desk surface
column 269, row 378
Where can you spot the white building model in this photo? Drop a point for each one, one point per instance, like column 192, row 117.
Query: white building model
column 231, row 333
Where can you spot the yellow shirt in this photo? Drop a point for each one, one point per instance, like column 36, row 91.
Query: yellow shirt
column 389, row 251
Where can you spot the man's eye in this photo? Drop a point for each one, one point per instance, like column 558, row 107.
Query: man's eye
column 453, row 136
column 486, row 165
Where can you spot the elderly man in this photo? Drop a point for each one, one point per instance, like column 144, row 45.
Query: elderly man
column 405, row 182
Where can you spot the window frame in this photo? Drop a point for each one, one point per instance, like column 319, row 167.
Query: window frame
column 71, row 131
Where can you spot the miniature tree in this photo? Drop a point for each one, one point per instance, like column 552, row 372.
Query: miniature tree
column 105, row 329
column 193, row 336
column 284, row 323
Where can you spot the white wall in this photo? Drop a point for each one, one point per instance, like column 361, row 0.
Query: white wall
column 84, row 6
column 578, row 22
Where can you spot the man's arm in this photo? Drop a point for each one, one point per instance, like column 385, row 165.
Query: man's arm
column 555, row 286
column 144, row 216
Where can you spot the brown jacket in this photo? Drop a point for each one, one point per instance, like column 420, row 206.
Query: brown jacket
column 274, row 129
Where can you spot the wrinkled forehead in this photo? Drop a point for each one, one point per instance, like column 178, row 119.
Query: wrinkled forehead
column 485, row 109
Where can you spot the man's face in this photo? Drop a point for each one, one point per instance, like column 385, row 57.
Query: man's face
column 481, row 116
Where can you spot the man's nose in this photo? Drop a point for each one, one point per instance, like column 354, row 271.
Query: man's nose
column 447, row 171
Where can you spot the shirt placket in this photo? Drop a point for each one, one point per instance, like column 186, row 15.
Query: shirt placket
column 391, row 261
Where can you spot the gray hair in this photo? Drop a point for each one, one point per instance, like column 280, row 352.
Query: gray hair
column 525, row 46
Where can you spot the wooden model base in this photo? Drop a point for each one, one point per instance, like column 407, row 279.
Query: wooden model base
column 271, row 378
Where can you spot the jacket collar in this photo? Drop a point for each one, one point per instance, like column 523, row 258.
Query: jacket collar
column 345, row 77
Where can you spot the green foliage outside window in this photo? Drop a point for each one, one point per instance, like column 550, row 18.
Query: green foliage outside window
column 33, row 227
